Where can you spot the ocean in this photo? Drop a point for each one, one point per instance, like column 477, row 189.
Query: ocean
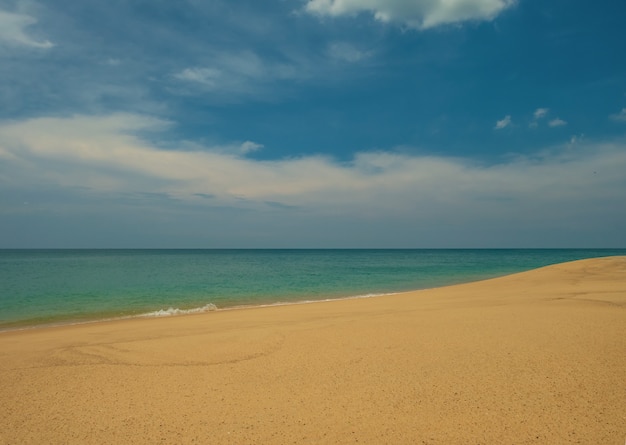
column 43, row 287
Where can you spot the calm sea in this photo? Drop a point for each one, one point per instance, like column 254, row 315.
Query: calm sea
column 40, row 287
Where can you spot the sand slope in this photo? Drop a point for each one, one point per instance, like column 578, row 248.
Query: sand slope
column 537, row 357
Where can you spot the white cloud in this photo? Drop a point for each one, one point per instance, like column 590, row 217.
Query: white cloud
column 232, row 149
column 13, row 30
column 557, row 122
column 503, row 123
column 242, row 72
column 420, row 14
column 106, row 154
column 619, row 117
column 576, row 139
column 347, row 52
column 249, row 147
column 231, row 76
column 209, row 77
column 540, row 113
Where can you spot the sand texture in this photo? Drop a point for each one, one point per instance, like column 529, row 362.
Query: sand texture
column 532, row 358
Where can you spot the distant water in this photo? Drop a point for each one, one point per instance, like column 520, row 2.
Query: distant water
column 64, row 286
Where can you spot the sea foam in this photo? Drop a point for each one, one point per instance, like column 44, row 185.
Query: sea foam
column 175, row 311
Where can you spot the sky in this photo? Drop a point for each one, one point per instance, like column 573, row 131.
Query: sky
column 312, row 124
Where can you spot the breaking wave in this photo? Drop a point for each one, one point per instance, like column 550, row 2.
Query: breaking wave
column 175, row 311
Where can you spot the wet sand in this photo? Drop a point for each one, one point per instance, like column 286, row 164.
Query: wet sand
column 532, row 358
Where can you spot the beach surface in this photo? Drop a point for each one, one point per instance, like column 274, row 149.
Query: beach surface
column 532, row 358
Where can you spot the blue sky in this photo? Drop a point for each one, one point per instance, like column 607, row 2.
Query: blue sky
column 312, row 123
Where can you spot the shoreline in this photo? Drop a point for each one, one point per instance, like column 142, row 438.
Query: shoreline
column 532, row 357
column 163, row 313
column 176, row 312
column 49, row 301
column 210, row 307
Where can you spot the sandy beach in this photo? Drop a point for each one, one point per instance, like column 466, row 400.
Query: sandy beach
column 532, row 358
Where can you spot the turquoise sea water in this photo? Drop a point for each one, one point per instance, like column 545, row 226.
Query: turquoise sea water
column 65, row 286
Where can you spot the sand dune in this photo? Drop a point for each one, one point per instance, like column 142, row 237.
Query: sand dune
column 536, row 357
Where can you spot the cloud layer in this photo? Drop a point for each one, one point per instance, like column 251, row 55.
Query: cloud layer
column 13, row 30
column 557, row 122
column 619, row 117
column 243, row 72
column 420, row 14
column 112, row 156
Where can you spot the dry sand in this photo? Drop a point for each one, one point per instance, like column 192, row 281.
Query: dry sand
column 537, row 357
